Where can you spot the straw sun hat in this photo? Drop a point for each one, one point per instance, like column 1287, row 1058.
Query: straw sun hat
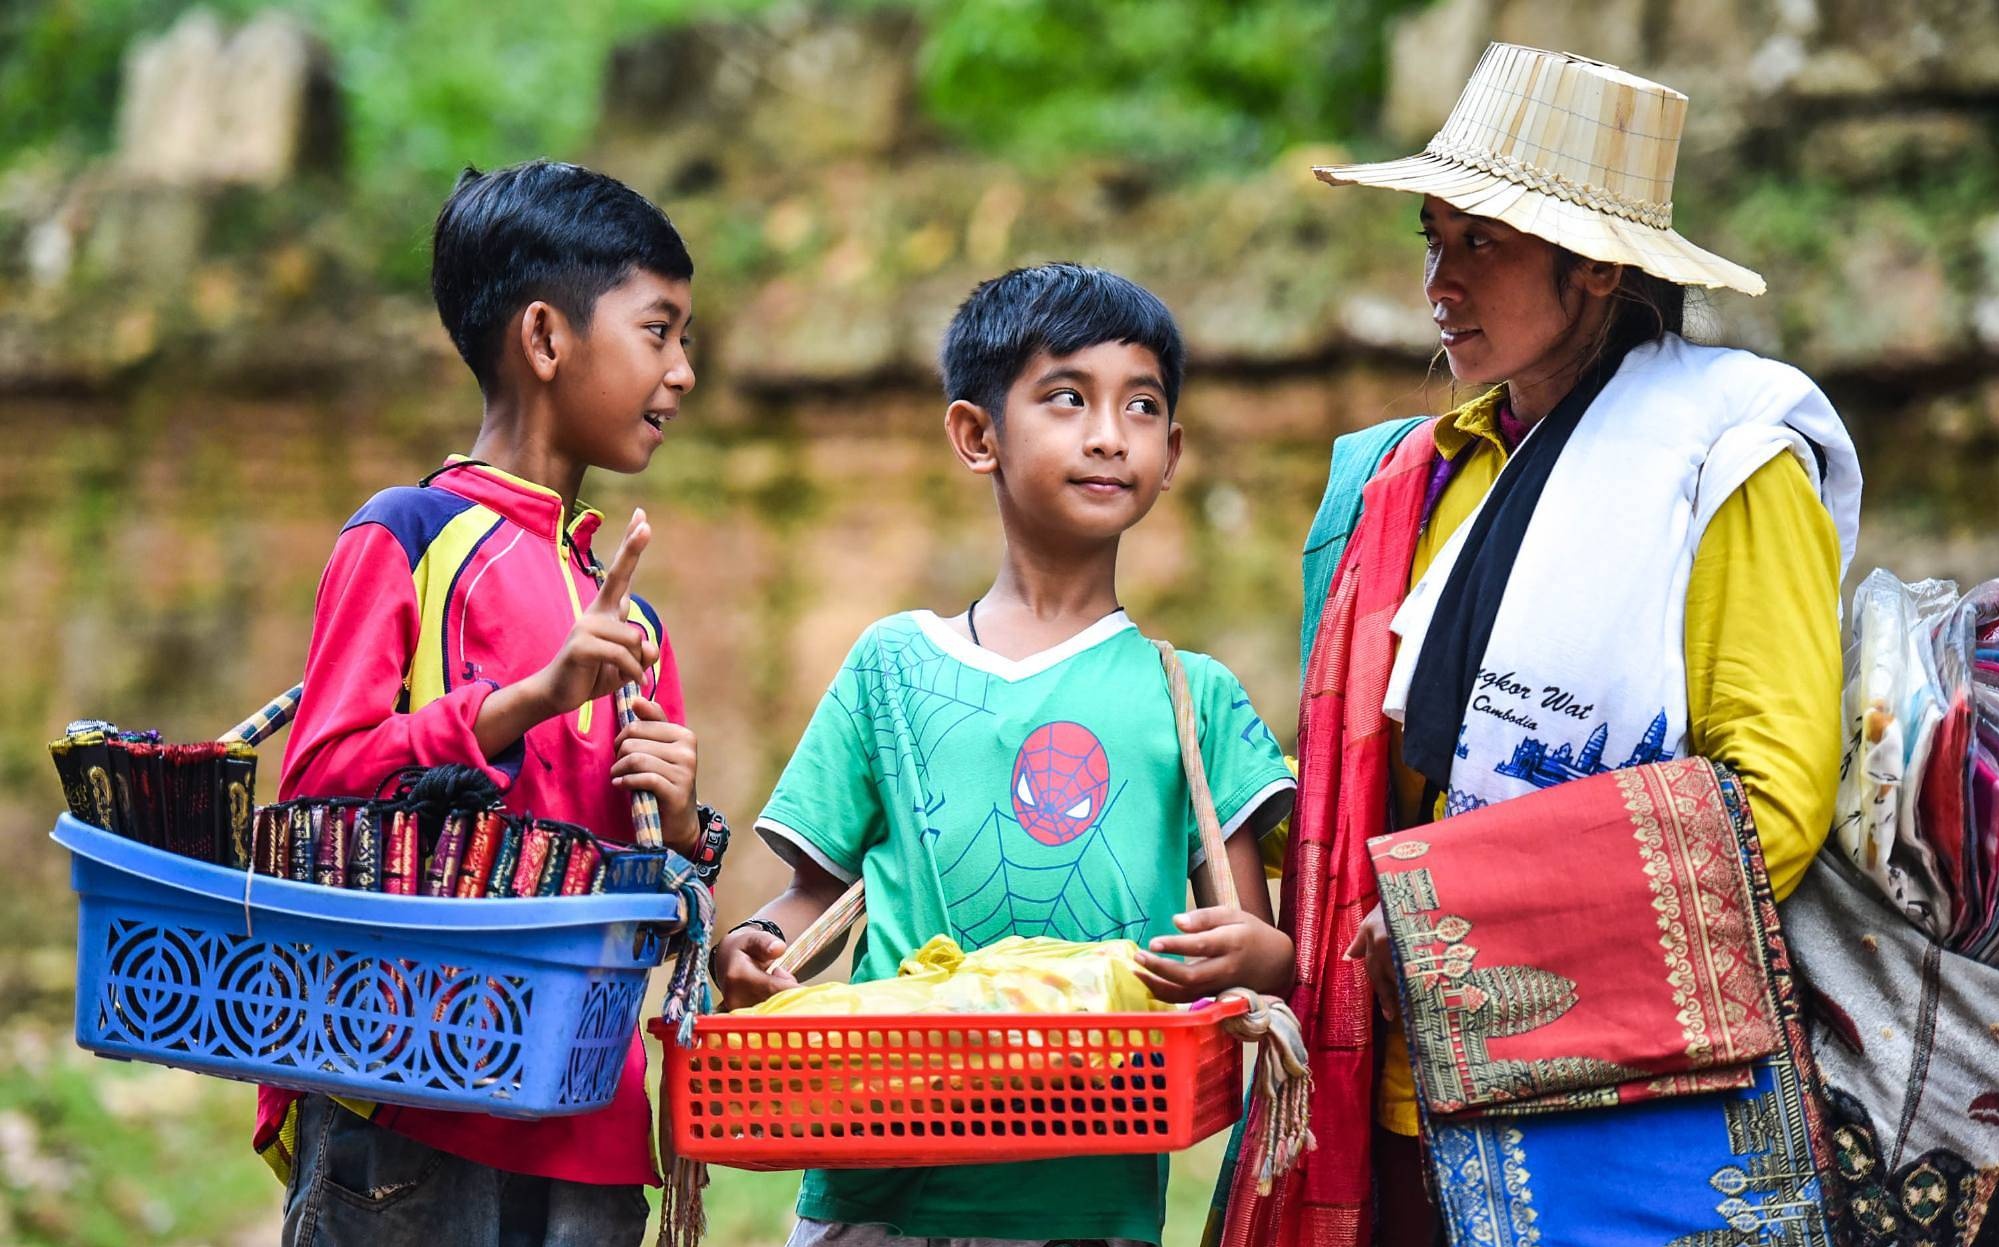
column 1570, row 150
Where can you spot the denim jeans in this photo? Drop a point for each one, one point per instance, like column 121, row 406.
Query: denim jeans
column 357, row 1185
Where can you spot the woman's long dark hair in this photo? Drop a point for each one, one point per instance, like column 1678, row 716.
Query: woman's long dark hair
column 1645, row 309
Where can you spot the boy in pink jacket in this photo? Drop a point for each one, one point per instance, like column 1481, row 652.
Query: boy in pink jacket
column 465, row 619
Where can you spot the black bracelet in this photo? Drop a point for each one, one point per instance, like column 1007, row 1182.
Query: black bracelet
column 761, row 924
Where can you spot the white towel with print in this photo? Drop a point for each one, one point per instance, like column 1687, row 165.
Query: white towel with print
column 1586, row 667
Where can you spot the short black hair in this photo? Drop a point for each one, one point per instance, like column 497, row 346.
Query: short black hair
column 1058, row 308
column 540, row 230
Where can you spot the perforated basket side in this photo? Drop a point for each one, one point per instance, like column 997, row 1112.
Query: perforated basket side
column 873, row 1092
column 175, row 977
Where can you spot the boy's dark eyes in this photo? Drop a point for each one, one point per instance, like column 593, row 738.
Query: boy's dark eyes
column 1071, row 398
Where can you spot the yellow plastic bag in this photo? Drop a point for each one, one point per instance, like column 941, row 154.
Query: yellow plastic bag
column 1019, row 974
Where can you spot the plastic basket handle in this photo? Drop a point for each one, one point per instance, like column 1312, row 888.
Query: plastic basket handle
column 830, row 926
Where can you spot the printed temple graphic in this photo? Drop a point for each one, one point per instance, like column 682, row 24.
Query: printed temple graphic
column 1532, row 762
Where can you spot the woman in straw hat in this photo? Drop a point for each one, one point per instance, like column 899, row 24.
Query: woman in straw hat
column 1628, row 548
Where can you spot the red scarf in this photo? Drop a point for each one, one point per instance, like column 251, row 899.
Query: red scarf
column 1343, row 798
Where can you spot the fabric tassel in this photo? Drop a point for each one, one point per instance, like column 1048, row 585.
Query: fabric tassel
column 691, row 991
column 689, row 994
column 682, row 1217
column 1283, row 1079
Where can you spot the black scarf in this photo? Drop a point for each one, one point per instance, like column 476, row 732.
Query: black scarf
column 1454, row 647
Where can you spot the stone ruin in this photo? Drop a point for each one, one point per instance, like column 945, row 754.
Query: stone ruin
column 204, row 105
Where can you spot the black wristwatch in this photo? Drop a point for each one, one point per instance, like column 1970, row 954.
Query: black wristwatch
column 714, row 842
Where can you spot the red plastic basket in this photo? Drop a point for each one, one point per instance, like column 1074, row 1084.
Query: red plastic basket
column 802, row 1092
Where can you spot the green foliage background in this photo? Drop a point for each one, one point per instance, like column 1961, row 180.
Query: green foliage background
column 1208, row 84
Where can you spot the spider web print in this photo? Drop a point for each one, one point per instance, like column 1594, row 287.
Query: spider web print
column 938, row 693
column 1073, row 892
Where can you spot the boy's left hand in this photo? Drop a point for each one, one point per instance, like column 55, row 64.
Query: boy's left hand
column 1223, row 948
column 659, row 757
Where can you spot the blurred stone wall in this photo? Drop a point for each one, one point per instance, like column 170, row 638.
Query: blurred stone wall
column 200, row 378
column 159, row 559
column 1848, row 151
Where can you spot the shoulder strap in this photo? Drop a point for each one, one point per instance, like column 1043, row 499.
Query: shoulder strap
column 1186, row 726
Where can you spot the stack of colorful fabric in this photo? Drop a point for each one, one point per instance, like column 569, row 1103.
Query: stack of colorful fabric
column 194, row 800
column 1616, row 1061
column 1919, row 799
column 1901, row 1031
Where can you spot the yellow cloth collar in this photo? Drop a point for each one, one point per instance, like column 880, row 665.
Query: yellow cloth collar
column 1477, row 420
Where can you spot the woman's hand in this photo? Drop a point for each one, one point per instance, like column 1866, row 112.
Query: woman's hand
column 1223, row 948
column 1371, row 942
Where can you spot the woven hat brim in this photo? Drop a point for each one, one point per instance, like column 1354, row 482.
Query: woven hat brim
column 1585, row 231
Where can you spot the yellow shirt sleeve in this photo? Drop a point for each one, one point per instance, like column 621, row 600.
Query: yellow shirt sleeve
column 1763, row 659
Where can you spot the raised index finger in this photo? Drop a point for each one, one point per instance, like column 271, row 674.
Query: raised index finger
column 618, row 577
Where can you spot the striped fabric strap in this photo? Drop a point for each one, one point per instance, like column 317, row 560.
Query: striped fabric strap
column 646, row 826
column 691, row 991
column 264, row 724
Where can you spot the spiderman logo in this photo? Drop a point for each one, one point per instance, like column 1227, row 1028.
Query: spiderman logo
column 1060, row 778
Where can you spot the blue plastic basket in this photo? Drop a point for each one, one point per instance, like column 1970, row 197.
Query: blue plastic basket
column 517, row 1007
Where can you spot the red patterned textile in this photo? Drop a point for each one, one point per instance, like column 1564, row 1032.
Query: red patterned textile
column 1524, row 995
column 1343, row 799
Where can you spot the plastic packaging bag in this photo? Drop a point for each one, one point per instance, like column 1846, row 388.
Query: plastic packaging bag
column 1893, row 706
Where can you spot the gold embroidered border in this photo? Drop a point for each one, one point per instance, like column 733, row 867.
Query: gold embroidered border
column 1650, row 831
column 1720, row 992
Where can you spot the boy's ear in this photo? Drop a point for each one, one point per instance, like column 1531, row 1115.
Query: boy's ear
column 544, row 338
column 1172, row 455
column 973, row 436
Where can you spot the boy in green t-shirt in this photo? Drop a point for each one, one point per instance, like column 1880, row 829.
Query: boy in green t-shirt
column 1014, row 770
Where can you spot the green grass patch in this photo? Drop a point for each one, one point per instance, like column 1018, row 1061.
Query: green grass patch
column 97, row 1153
